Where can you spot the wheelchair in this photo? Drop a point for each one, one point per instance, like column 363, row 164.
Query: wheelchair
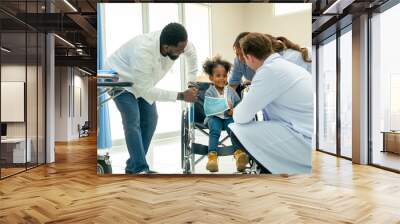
column 191, row 121
column 83, row 130
column 108, row 86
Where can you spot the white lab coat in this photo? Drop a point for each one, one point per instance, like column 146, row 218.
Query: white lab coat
column 283, row 142
column 140, row 61
column 297, row 58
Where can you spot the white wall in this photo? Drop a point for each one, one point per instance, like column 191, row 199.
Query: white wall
column 12, row 73
column 61, row 103
column 67, row 115
column 80, row 83
column 33, row 127
column 295, row 26
column 228, row 20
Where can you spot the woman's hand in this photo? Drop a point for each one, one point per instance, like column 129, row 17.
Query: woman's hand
column 230, row 111
column 230, row 105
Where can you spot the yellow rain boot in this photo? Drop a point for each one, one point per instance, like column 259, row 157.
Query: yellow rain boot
column 212, row 164
column 241, row 160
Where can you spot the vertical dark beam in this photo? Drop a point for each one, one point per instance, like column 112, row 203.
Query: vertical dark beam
column 0, row 98
column 69, row 93
column 317, row 96
column 26, row 88
column 45, row 88
column 318, row 5
column 73, row 91
column 60, row 86
column 369, row 78
column 338, row 91
column 37, row 90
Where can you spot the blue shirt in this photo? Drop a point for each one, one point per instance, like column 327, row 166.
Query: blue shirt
column 240, row 69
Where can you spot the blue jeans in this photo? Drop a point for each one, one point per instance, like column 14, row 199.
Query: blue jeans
column 216, row 125
column 139, row 119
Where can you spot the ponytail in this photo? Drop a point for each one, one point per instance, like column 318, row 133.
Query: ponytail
column 289, row 44
column 277, row 45
column 305, row 54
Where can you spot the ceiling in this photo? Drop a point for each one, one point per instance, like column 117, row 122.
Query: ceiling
column 331, row 15
column 75, row 21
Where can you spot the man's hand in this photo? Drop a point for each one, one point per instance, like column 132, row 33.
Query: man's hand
column 190, row 95
column 193, row 84
column 246, row 82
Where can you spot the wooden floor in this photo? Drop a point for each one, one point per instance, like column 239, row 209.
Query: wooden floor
column 10, row 171
column 69, row 191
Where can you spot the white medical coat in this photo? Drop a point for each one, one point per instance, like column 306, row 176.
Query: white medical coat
column 139, row 61
column 296, row 57
column 283, row 142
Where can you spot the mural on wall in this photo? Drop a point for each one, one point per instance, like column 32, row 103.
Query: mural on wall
column 164, row 68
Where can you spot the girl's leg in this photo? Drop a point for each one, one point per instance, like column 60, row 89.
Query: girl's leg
column 215, row 125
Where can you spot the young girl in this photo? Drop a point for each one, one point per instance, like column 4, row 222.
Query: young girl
column 217, row 71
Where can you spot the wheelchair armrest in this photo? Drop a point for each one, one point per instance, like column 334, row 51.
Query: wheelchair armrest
column 114, row 84
column 200, row 125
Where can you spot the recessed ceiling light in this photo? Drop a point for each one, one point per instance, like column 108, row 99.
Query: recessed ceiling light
column 86, row 72
column 5, row 50
column 64, row 40
column 70, row 5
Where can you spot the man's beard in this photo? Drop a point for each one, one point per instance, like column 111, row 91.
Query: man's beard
column 173, row 57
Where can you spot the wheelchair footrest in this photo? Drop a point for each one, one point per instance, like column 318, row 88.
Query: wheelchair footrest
column 200, row 149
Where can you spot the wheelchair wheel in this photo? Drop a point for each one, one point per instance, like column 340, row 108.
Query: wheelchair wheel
column 104, row 165
column 187, row 167
column 100, row 169
column 184, row 139
column 185, row 142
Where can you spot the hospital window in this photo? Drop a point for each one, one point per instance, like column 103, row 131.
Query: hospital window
column 346, row 93
column 168, row 112
column 327, row 96
column 115, row 35
column 156, row 17
column 385, row 89
column 198, row 30
column 22, row 94
column 288, row 8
